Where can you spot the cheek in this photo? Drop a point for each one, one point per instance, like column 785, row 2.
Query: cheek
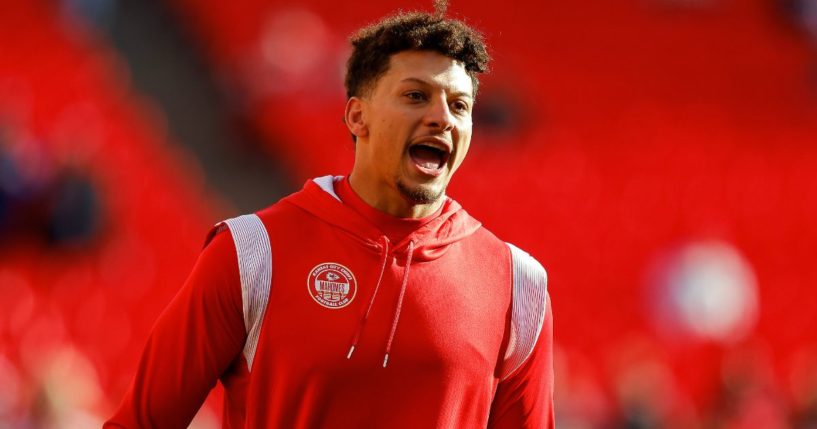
column 387, row 127
column 387, row 147
column 459, row 158
column 462, row 149
column 465, row 142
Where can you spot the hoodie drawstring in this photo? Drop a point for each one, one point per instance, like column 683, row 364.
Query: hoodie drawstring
column 403, row 285
column 365, row 316
column 399, row 302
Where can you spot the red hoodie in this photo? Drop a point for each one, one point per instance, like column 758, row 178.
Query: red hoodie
column 312, row 318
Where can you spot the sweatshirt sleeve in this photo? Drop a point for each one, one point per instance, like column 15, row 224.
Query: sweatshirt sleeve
column 525, row 399
column 192, row 343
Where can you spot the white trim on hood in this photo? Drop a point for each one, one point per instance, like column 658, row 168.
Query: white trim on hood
column 327, row 183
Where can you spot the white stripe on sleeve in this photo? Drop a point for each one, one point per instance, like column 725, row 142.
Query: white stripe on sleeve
column 255, row 268
column 528, row 309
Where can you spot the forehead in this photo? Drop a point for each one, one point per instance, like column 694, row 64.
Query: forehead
column 427, row 66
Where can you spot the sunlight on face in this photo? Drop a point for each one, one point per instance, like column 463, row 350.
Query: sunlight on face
column 417, row 129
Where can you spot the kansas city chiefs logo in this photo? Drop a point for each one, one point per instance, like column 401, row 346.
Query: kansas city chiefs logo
column 331, row 285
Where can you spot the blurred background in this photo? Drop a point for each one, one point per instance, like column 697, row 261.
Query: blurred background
column 659, row 157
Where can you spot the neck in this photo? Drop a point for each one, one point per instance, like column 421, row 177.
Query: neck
column 389, row 200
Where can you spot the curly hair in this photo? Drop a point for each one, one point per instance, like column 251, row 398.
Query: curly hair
column 374, row 45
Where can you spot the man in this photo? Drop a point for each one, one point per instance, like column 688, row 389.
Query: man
column 367, row 301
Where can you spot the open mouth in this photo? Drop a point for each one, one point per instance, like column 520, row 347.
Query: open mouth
column 429, row 159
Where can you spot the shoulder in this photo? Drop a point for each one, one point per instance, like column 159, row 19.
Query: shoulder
column 278, row 213
column 280, row 210
column 528, row 272
column 528, row 275
column 251, row 242
column 487, row 243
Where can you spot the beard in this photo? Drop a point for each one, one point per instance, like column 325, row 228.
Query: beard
column 419, row 194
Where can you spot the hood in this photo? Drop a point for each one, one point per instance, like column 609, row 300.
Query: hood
column 431, row 240
column 428, row 242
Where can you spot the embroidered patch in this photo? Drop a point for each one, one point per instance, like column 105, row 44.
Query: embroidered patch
column 332, row 285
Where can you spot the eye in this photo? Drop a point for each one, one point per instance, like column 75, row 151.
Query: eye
column 415, row 95
column 460, row 106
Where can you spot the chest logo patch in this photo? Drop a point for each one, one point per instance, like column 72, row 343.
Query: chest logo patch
column 332, row 285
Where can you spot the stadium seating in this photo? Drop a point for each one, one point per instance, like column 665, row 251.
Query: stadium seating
column 86, row 309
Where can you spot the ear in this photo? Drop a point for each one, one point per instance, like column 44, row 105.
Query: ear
column 355, row 118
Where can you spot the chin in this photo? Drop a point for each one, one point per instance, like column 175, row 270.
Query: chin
column 420, row 193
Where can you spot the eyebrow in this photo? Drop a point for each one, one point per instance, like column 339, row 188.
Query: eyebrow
column 424, row 82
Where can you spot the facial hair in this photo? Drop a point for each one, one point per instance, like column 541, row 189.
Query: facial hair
column 419, row 194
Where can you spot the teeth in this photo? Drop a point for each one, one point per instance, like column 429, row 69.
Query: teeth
column 433, row 147
column 428, row 156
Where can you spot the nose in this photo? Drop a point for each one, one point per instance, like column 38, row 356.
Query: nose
column 439, row 115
